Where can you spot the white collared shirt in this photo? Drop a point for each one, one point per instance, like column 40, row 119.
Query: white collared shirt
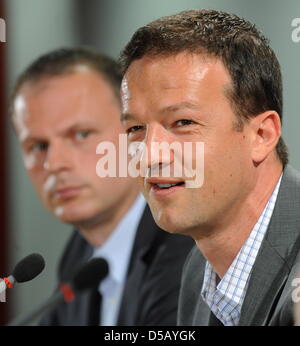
column 226, row 298
column 117, row 252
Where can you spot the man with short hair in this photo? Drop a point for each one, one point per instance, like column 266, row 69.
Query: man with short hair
column 205, row 76
column 64, row 104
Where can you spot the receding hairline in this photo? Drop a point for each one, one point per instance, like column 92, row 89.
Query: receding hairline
column 42, row 82
column 77, row 67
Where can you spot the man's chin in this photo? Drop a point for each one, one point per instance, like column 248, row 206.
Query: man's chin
column 69, row 219
column 78, row 218
column 172, row 221
column 67, row 215
column 168, row 223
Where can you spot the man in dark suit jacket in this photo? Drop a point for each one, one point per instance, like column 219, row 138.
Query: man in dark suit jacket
column 209, row 77
column 66, row 109
column 152, row 285
column 268, row 300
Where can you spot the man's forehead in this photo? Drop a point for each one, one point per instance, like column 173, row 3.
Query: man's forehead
column 36, row 116
column 164, row 70
column 66, row 93
column 172, row 76
column 195, row 82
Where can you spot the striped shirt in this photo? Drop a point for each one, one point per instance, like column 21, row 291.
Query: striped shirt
column 225, row 299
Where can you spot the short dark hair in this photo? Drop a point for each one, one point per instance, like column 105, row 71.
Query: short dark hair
column 65, row 60
column 244, row 51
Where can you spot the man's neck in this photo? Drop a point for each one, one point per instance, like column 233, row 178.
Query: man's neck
column 97, row 230
column 222, row 246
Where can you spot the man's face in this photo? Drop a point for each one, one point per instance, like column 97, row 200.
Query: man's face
column 59, row 122
column 182, row 98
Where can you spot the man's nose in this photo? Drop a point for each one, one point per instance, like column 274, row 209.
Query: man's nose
column 157, row 145
column 58, row 158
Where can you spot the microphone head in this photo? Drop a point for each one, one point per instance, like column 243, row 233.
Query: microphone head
column 90, row 274
column 29, row 267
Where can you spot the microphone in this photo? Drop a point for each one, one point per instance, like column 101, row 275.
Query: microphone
column 88, row 276
column 27, row 269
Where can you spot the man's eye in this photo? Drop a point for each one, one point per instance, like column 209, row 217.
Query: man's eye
column 38, row 147
column 134, row 129
column 184, row 122
column 80, row 135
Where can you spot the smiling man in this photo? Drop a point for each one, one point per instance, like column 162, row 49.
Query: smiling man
column 65, row 104
column 211, row 77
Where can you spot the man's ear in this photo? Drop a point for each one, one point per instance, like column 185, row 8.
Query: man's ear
column 266, row 130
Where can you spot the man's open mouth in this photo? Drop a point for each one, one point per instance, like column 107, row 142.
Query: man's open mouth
column 164, row 187
column 167, row 186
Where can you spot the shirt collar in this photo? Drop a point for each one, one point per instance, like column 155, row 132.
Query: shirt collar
column 117, row 248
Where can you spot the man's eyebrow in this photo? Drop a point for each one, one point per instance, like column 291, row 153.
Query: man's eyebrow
column 179, row 106
column 169, row 109
column 77, row 126
column 127, row 116
column 32, row 139
column 80, row 125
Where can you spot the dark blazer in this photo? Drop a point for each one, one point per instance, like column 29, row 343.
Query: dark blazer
column 152, row 286
column 268, row 300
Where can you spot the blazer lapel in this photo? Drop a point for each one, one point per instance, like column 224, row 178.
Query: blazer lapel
column 266, row 282
column 276, row 255
column 129, row 304
column 77, row 253
column 147, row 236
